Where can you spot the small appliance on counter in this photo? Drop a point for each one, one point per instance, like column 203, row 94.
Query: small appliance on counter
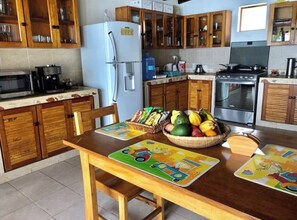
column 199, row 69
column 15, row 83
column 46, row 79
column 291, row 68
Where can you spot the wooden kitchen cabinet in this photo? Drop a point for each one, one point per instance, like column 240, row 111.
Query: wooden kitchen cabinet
column 282, row 28
column 170, row 96
column 279, row 103
column 158, row 29
column 19, row 137
column 207, row 30
column 29, row 134
column 43, row 24
column 200, row 93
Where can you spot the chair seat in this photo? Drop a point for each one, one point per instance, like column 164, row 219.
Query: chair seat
column 115, row 186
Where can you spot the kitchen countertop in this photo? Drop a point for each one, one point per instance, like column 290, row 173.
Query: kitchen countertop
column 278, row 79
column 45, row 98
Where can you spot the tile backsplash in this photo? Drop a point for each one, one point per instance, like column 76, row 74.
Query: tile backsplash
column 28, row 58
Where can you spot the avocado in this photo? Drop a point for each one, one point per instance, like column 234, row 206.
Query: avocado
column 181, row 119
column 181, row 130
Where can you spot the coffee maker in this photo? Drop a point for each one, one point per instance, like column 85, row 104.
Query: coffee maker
column 46, row 79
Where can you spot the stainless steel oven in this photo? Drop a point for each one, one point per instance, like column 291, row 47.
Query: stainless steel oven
column 237, row 87
column 15, row 84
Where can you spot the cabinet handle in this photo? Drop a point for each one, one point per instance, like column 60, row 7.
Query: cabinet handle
column 55, row 26
column 210, row 34
column 70, row 116
column 198, row 90
column 36, row 123
column 24, row 24
column 292, row 28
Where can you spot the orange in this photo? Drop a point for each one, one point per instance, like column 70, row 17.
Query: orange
column 210, row 133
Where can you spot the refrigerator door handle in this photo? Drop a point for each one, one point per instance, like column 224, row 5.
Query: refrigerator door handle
column 115, row 60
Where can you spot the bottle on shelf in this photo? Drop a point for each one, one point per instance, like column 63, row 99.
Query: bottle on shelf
column 282, row 34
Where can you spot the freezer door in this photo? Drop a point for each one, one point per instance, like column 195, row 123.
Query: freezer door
column 123, row 41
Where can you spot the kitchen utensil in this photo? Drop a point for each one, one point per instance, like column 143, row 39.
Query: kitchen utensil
column 291, row 65
column 230, row 66
column 199, row 69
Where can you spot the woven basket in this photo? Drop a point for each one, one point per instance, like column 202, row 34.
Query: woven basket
column 143, row 127
column 198, row 142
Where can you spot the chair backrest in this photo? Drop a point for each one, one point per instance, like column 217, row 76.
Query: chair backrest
column 82, row 119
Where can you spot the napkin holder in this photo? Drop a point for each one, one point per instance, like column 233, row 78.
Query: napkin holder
column 243, row 144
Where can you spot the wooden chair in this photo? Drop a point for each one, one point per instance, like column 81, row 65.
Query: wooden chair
column 115, row 187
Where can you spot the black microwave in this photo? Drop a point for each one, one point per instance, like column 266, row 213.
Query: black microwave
column 15, row 84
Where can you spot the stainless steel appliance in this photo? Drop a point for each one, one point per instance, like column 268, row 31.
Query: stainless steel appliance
column 15, row 84
column 291, row 66
column 236, row 88
column 46, row 79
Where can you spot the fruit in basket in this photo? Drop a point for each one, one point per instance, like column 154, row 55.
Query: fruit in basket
column 196, row 132
column 174, row 115
column 207, row 125
column 181, row 119
column 181, row 130
column 205, row 115
column 169, row 127
column 210, row 133
column 195, row 118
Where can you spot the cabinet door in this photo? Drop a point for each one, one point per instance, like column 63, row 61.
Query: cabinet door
column 130, row 14
column 190, row 33
column 276, row 103
column 19, row 137
column 203, row 30
column 220, row 28
column 282, row 23
column 79, row 105
column 147, row 29
column 53, row 129
column 178, row 31
column 159, row 30
column 12, row 24
column 156, row 95
column 169, row 31
column 170, row 96
column 182, row 95
column 200, row 94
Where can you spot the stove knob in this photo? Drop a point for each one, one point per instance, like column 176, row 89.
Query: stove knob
column 240, row 77
column 246, row 77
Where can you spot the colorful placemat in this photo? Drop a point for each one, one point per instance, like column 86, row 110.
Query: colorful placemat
column 120, row 131
column 169, row 163
column 277, row 169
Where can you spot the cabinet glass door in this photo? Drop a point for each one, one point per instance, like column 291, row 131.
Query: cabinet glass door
column 147, row 29
column 160, row 30
column 12, row 26
column 190, row 31
column 169, row 30
column 68, row 23
column 135, row 16
column 203, row 30
column 178, row 31
column 216, row 27
column 281, row 24
column 38, row 23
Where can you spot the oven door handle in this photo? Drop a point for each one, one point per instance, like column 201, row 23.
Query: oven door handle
column 236, row 82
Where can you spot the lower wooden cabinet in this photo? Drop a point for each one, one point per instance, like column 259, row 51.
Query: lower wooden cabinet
column 29, row 134
column 279, row 103
column 200, row 93
column 170, row 96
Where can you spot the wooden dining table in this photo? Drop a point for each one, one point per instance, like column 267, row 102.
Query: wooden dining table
column 217, row 194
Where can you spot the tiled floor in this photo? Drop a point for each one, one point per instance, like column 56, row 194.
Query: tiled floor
column 56, row 192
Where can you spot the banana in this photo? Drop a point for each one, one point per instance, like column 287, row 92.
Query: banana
column 207, row 116
column 207, row 125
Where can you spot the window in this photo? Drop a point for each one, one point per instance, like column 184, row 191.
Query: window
column 252, row 17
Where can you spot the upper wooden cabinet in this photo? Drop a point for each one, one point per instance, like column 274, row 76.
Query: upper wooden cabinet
column 282, row 29
column 207, row 30
column 158, row 29
column 43, row 24
column 280, row 103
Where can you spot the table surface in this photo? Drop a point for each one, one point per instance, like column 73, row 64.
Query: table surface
column 217, row 194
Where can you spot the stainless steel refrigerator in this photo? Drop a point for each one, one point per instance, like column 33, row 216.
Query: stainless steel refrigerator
column 111, row 61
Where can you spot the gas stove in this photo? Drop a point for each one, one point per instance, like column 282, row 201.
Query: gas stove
column 241, row 74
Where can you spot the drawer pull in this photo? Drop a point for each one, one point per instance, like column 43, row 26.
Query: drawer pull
column 16, row 139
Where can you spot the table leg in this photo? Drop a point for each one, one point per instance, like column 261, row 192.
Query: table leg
column 88, row 172
column 160, row 203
